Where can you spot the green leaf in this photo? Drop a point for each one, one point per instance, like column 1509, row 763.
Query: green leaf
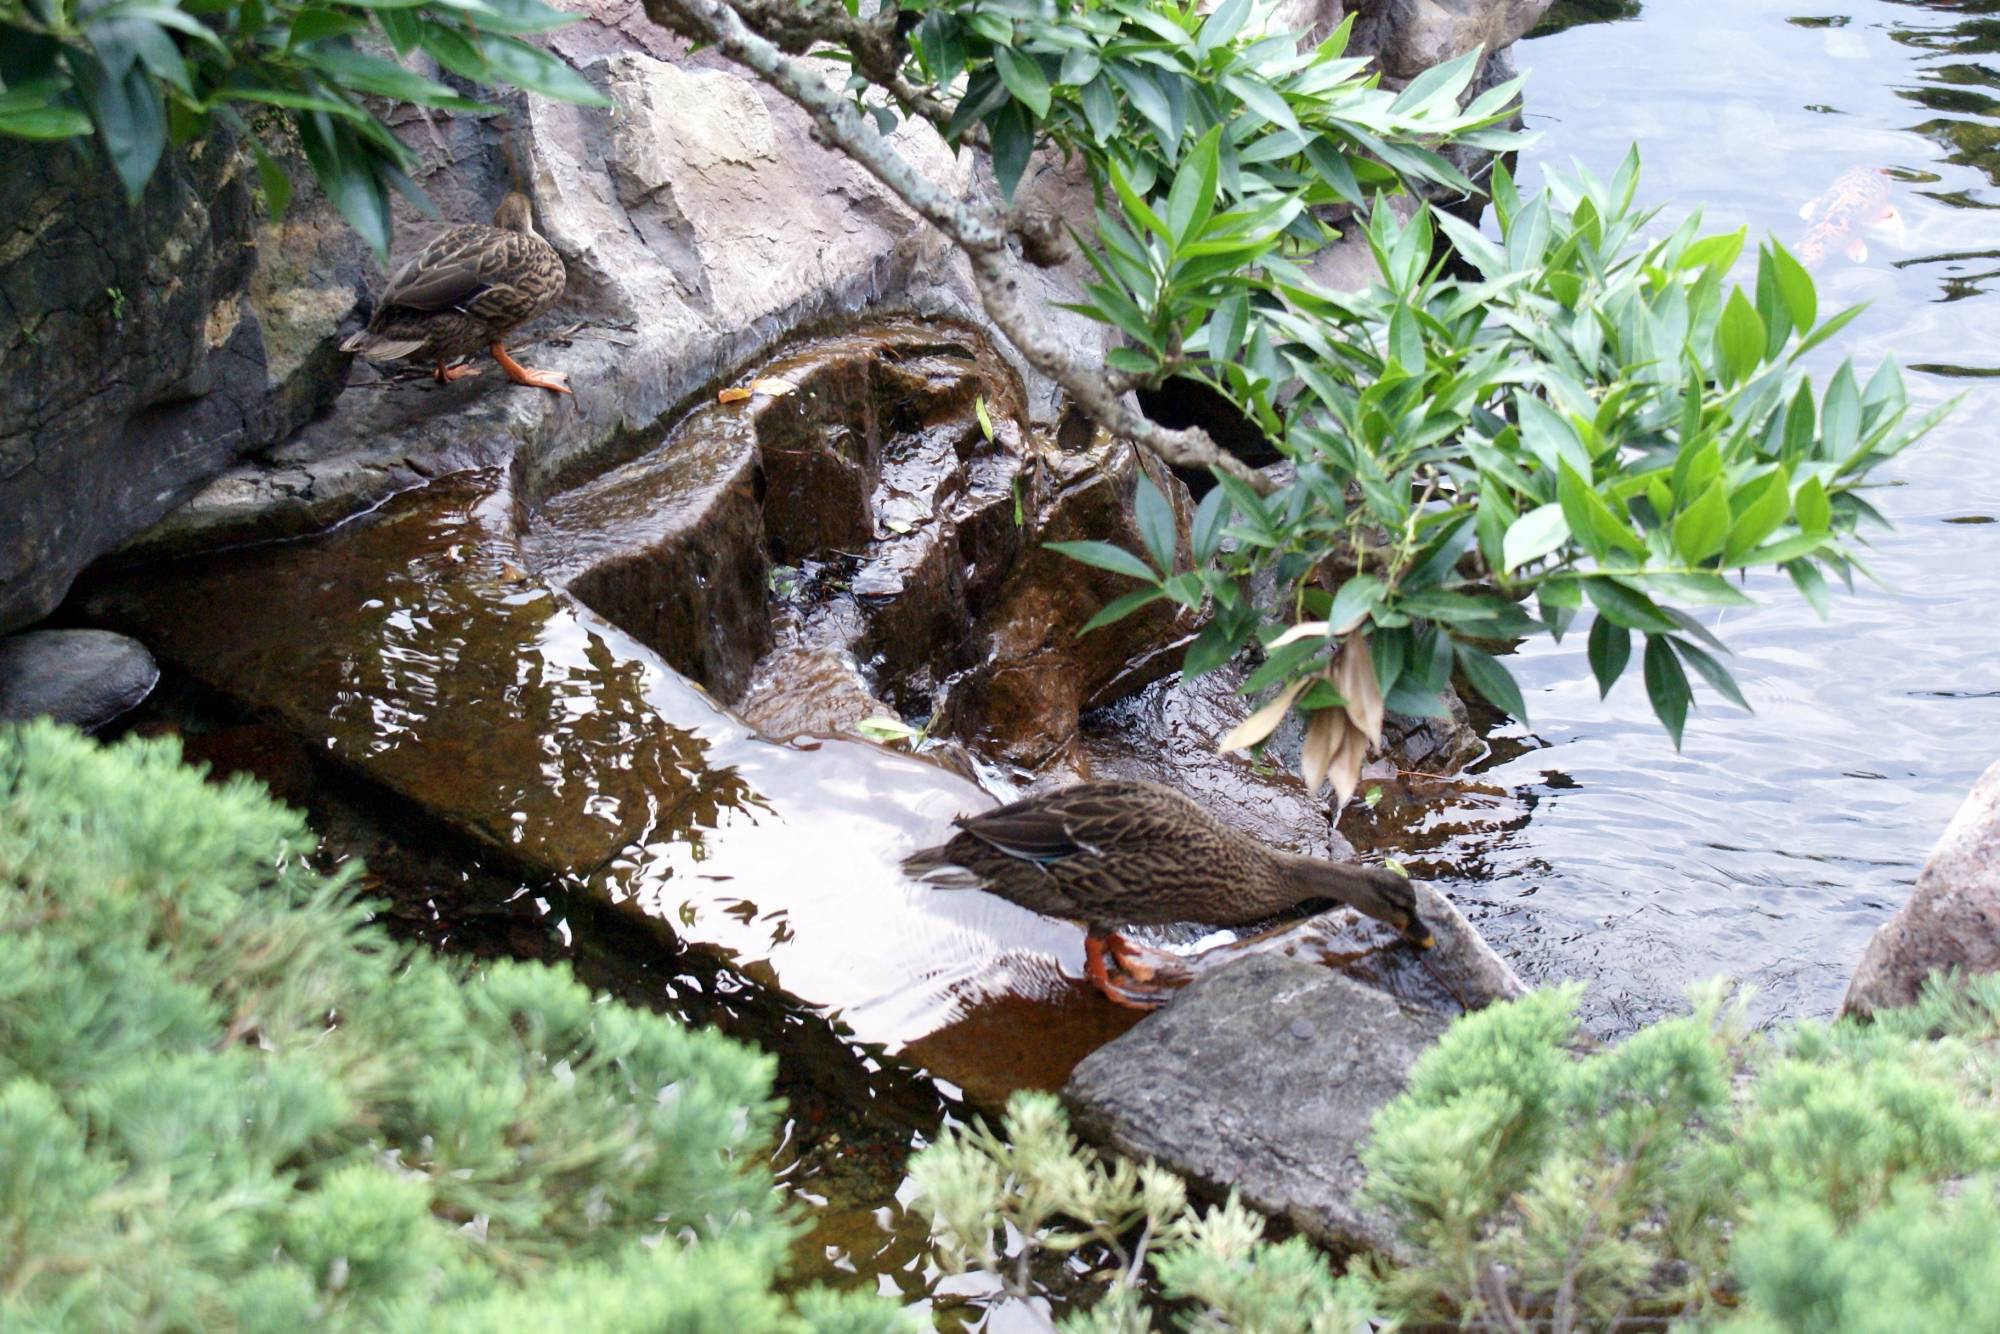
column 1209, row 519
column 1702, row 528
column 1825, row 331
column 1226, row 324
column 1815, row 511
column 1265, row 100
column 1667, row 686
column 1592, row 521
column 1840, row 415
column 530, row 67
column 1493, row 681
column 131, row 121
column 1796, row 286
column 1709, row 590
column 369, row 74
column 47, row 122
column 452, row 50
column 1100, row 109
column 276, row 184
column 1024, row 79
column 1120, row 607
column 1610, row 649
column 1192, row 198
column 1532, row 536
column 341, row 168
column 1359, row 596
column 1712, row 672
column 1760, row 516
column 1718, row 252
column 1629, row 608
column 1147, row 100
column 1214, row 646
column 1013, row 140
column 1810, row 583
column 1155, row 517
column 1739, row 339
column 1106, row 557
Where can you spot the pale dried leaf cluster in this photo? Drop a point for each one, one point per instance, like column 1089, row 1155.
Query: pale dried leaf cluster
column 1337, row 737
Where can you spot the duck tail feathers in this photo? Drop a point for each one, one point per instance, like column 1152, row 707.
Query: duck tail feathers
column 377, row 347
column 934, row 866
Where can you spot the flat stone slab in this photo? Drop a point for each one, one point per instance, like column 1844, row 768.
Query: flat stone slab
column 82, row 677
column 1263, row 1077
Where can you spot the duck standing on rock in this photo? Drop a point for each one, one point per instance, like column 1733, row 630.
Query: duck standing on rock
column 467, row 290
column 1123, row 853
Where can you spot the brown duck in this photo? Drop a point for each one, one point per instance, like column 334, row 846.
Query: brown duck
column 1115, row 854
column 465, row 291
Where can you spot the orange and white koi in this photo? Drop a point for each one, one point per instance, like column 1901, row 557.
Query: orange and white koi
column 1838, row 219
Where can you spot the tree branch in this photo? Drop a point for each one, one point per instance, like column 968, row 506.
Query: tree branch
column 738, row 28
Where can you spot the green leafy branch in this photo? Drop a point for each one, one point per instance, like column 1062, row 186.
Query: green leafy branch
column 144, row 73
column 1579, row 417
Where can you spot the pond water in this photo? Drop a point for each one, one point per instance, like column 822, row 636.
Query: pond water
column 1775, row 843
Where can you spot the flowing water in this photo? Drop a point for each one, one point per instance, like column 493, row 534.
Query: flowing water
column 1771, row 847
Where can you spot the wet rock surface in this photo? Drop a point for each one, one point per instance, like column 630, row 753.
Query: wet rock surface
column 1952, row 917
column 134, row 361
column 1263, row 1078
column 82, row 677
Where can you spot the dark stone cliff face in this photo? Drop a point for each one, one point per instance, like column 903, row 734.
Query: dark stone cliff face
column 132, row 366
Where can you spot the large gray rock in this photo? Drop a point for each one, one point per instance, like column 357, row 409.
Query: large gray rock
column 1263, row 1078
column 137, row 362
column 1952, row 918
column 82, row 677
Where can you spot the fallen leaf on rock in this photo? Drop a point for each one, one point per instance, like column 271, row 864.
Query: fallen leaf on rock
column 733, row 394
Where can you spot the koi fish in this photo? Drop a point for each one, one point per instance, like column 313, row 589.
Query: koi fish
column 1858, row 201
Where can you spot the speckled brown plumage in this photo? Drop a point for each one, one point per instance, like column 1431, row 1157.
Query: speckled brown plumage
column 465, row 291
column 1116, row 854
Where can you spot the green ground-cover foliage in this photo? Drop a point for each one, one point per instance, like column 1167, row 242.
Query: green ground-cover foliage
column 227, row 1101
column 1825, row 1178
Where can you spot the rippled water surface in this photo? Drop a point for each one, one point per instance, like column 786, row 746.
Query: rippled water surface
column 1776, row 842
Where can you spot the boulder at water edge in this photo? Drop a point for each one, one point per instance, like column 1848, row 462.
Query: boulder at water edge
column 82, row 677
column 1952, row 919
column 1263, row 1078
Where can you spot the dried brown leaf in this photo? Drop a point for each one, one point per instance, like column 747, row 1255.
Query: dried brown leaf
column 1345, row 771
column 1265, row 721
column 1326, row 735
column 736, row 393
column 1354, row 678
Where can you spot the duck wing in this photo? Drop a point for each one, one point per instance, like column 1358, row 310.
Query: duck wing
column 1095, row 821
column 475, row 270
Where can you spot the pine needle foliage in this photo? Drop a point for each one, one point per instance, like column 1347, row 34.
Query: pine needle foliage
column 1840, row 1177
column 227, row 1101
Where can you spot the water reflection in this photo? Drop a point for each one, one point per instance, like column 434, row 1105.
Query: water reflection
column 1775, row 844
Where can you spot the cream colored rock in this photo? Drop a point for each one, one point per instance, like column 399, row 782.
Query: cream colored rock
column 1952, row 918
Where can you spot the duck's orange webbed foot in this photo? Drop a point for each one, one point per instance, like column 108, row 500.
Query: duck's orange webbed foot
column 1130, row 958
column 1093, row 966
column 553, row 381
column 446, row 374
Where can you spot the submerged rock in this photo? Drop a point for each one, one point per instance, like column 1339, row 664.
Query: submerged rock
column 82, row 677
column 1952, row 918
column 1262, row 1078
